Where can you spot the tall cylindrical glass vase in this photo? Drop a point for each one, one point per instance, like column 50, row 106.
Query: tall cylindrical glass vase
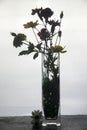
column 51, row 89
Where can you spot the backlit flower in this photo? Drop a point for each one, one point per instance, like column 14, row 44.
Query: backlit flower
column 46, row 13
column 43, row 13
column 54, row 24
column 43, row 34
column 38, row 11
column 17, row 42
column 57, row 48
column 31, row 24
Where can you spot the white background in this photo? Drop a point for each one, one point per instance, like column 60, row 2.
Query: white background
column 20, row 77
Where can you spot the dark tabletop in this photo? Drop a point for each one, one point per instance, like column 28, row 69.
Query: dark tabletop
column 74, row 122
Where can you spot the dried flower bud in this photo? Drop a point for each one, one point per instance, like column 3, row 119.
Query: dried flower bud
column 59, row 33
column 61, row 14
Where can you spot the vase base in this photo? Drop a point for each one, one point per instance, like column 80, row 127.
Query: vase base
column 53, row 122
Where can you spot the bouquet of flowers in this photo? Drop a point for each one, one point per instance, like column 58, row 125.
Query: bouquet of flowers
column 48, row 38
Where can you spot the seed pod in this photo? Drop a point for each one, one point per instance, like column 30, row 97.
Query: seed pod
column 59, row 33
column 61, row 14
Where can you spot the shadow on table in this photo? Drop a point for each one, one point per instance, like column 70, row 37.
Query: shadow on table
column 48, row 127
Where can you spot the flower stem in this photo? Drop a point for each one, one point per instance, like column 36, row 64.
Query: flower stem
column 57, row 33
column 25, row 43
column 35, row 35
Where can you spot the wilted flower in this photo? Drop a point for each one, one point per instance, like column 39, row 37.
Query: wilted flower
column 43, row 13
column 34, row 11
column 30, row 24
column 54, row 24
column 43, row 34
column 46, row 13
column 38, row 11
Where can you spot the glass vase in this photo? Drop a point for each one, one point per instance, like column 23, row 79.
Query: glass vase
column 51, row 89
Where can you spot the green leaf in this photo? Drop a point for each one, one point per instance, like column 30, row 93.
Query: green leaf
column 31, row 46
column 38, row 46
column 63, row 51
column 35, row 55
column 25, row 52
column 13, row 34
